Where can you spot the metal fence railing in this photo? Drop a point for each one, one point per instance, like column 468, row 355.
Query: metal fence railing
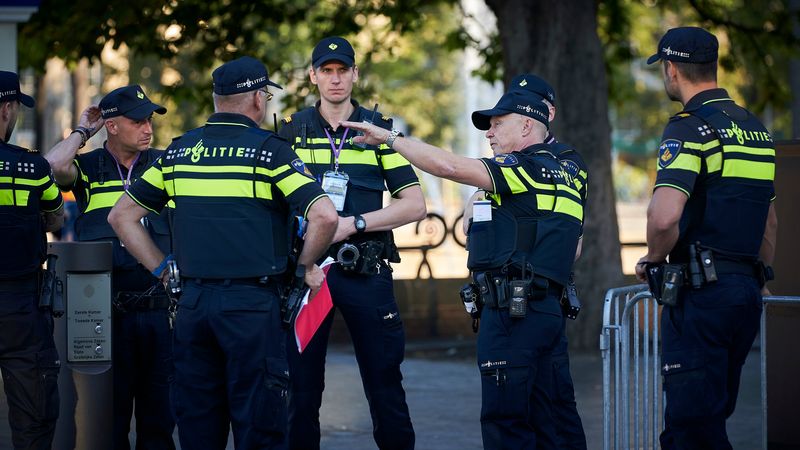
column 633, row 401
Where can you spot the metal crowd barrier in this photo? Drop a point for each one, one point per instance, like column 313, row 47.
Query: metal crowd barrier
column 633, row 402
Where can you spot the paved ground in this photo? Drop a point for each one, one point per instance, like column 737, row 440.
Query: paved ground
column 444, row 398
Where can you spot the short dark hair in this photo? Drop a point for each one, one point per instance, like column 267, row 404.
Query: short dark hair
column 697, row 72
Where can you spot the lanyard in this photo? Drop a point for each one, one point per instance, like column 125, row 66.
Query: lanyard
column 335, row 150
column 125, row 182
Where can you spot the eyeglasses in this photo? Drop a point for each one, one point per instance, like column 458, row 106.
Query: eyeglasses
column 268, row 93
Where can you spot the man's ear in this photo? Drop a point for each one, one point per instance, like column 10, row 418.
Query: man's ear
column 312, row 75
column 111, row 127
column 355, row 73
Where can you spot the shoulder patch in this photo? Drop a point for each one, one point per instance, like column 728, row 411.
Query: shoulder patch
column 287, row 119
column 570, row 166
column 506, row 160
column 668, row 151
column 300, row 166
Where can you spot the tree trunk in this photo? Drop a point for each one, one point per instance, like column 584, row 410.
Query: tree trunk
column 558, row 41
column 80, row 89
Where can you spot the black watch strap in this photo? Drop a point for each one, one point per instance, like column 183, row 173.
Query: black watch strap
column 360, row 223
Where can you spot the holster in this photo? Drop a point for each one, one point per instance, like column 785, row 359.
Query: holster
column 51, row 289
column 666, row 282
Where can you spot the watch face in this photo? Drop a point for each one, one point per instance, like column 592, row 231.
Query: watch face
column 361, row 224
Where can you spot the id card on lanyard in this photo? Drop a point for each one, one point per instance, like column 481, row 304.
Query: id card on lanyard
column 334, row 182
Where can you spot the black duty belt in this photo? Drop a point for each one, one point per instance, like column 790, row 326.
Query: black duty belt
column 725, row 267
column 253, row 281
column 22, row 283
column 137, row 301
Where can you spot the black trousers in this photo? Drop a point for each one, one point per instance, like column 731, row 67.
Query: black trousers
column 30, row 365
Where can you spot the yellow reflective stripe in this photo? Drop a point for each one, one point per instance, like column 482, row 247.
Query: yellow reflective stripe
column 396, row 191
column 753, row 170
column 685, row 161
column 514, row 183
column 50, row 193
column 537, row 185
column 545, row 201
column 583, row 174
column 702, row 147
column 103, row 200
column 578, row 184
column 292, row 182
column 26, row 181
column 564, row 187
column 171, row 204
column 348, row 156
column 211, row 169
column 273, row 172
column 305, row 213
column 154, row 177
column 228, row 123
column 393, row 161
column 714, row 162
column 7, row 199
column 140, row 203
column 749, row 150
column 673, row 187
column 190, row 187
column 570, row 207
column 319, row 157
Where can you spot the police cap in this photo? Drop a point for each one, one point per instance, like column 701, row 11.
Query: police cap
column 333, row 48
column 9, row 89
column 525, row 103
column 688, row 45
column 129, row 101
column 534, row 84
column 243, row 74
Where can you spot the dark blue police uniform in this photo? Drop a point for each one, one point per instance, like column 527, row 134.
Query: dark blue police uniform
column 366, row 301
column 142, row 352
column 28, row 357
column 723, row 159
column 569, row 428
column 532, row 236
column 235, row 187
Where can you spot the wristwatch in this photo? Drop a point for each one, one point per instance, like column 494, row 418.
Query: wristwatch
column 392, row 136
column 360, row 224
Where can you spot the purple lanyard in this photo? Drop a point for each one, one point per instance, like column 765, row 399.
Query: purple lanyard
column 125, row 181
column 335, row 150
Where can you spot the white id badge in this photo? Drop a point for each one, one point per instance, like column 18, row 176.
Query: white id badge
column 335, row 185
column 482, row 211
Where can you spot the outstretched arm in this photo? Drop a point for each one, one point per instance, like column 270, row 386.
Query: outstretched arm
column 428, row 158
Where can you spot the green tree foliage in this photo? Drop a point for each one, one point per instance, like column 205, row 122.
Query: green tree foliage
column 397, row 42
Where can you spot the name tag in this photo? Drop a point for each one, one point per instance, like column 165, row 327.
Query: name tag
column 481, row 211
column 335, row 185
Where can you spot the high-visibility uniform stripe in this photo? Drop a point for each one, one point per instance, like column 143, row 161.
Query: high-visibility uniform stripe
column 7, row 197
column 103, row 200
column 513, row 181
column 393, row 160
column 753, row 170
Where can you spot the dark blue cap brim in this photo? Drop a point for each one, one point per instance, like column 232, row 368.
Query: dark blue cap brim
column 26, row 100
column 653, row 58
column 482, row 119
column 344, row 59
column 144, row 111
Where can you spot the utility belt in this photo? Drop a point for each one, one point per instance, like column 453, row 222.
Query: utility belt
column 126, row 301
column 364, row 257
column 666, row 281
column 501, row 290
column 253, row 281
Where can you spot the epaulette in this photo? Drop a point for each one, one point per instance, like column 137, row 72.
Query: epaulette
column 385, row 119
column 33, row 150
column 679, row 116
column 287, row 119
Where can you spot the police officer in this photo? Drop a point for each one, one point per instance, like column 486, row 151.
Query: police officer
column 235, row 188
column 142, row 352
column 30, row 205
column 355, row 179
column 521, row 244
column 565, row 411
column 712, row 214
